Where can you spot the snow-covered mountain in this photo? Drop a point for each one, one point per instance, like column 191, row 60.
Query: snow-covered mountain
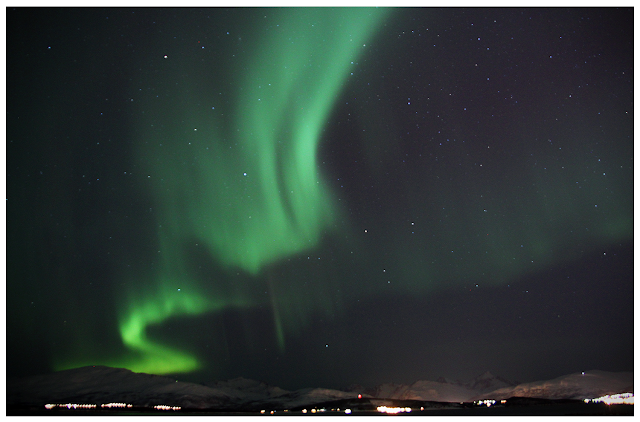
column 423, row 390
column 443, row 390
column 489, row 382
column 101, row 384
column 584, row 385
column 261, row 393
column 252, row 389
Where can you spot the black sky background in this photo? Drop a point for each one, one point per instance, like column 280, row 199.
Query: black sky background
column 463, row 133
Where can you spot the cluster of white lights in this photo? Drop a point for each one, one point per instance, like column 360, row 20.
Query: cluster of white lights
column 624, row 398
column 70, row 406
column 487, row 403
column 314, row 410
column 385, row 409
column 110, row 405
column 165, row 407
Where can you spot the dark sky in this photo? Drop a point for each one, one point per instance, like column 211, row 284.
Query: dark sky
column 320, row 197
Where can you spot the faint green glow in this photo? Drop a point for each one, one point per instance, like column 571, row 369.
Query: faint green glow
column 240, row 183
column 254, row 193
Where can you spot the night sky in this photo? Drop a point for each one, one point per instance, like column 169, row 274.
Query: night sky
column 320, row 197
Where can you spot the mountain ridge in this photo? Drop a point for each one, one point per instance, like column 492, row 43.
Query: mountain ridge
column 102, row 384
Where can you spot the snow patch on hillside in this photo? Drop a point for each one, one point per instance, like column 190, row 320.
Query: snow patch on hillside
column 582, row 385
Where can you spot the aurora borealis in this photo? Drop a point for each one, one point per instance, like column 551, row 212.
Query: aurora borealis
column 250, row 195
column 320, row 197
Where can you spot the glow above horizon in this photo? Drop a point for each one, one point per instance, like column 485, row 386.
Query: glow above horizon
column 241, row 184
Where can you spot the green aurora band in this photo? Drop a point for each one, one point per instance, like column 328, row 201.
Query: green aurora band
column 242, row 185
column 231, row 165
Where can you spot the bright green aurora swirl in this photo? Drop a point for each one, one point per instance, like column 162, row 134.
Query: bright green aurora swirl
column 233, row 170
